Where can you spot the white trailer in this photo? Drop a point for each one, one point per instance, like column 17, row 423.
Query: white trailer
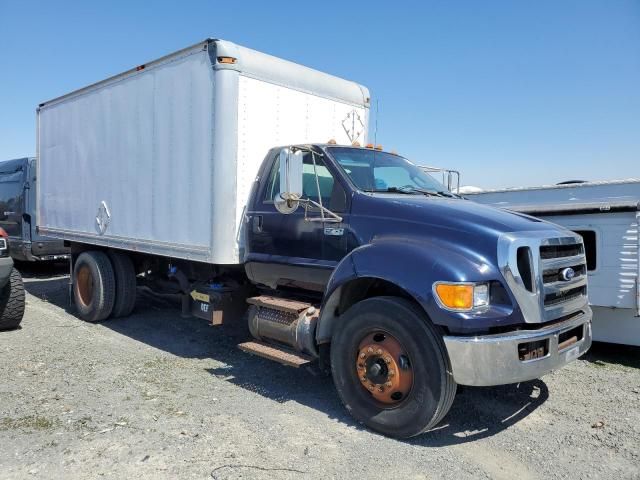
column 161, row 158
column 606, row 214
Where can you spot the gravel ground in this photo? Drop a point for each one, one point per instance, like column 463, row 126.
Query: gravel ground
column 159, row 396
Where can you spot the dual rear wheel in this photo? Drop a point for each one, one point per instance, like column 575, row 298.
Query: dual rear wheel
column 104, row 285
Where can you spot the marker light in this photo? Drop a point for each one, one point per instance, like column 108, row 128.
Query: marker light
column 227, row 60
column 462, row 296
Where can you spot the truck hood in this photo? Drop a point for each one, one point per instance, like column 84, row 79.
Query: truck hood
column 457, row 216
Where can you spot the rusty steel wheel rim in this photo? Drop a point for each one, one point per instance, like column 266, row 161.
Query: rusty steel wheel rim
column 384, row 368
column 84, row 282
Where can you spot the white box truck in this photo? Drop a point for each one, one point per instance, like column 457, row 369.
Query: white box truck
column 235, row 178
column 161, row 158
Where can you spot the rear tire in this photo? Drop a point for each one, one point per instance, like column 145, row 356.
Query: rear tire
column 94, row 286
column 12, row 301
column 125, row 275
column 409, row 344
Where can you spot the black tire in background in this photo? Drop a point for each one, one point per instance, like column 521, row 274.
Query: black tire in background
column 12, row 302
column 433, row 388
column 125, row 284
column 94, row 286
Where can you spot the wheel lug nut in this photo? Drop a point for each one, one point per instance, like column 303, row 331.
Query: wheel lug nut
column 363, row 378
column 391, row 373
column 362, row 355
column 387, row 360
column 370, row 350
column 388, row 384
column 371, row 388
column 381, row 389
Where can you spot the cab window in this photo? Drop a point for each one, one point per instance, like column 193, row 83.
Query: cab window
column 331, row 191
column 309, row 185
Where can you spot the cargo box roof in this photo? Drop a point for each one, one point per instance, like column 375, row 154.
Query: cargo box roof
column 253, row 64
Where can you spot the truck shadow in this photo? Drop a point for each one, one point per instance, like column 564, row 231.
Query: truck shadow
column 49, row 283
column 476, row 412
column 31, row 270
column 603, row 354
column 481, row 412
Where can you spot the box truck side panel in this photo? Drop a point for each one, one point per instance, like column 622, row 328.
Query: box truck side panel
column 136, row 153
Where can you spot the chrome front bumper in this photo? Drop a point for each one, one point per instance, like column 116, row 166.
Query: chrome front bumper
column 494, row 359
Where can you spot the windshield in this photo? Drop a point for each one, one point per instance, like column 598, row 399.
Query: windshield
column 375, row 171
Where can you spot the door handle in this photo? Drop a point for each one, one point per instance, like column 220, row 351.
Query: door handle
column 257, row 223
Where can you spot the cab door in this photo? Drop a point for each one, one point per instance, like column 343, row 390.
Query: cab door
column 287, row 249
column 12, row 194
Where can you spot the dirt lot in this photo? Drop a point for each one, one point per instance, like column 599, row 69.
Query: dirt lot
column 159, row 396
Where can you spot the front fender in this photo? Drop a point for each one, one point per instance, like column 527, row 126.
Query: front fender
column 414, row 266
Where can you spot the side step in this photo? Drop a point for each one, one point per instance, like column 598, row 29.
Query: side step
column 278, row 303
column 285, row 357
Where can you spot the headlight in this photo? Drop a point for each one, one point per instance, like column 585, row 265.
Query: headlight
column 462, row 297
column 480, row 295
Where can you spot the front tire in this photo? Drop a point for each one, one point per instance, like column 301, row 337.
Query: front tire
column 12, row 302
column 94, row 286
column 391, row 368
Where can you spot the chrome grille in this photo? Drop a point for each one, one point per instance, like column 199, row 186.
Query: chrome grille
column 559, row 251
column 532, row 264
column 559, row 296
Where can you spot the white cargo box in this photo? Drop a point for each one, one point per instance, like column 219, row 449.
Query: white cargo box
column 161, row 158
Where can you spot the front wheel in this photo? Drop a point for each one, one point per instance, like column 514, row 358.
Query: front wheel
column 391, row 368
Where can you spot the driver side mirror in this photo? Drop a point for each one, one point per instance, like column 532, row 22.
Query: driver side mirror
column 290, row 181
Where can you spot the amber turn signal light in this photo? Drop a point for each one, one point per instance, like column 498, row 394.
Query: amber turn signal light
column 455, row 296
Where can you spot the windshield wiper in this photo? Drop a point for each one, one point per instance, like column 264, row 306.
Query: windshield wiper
column 406, row 191
column 414, row 190
column 434, row 193
column 449, row 194
column 429, row 193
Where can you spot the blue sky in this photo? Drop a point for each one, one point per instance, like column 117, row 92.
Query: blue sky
column 509, row 92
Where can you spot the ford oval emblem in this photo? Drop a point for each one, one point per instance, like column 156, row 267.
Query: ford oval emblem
column 567, row 274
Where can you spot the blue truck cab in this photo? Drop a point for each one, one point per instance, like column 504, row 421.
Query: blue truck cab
column 404, row 289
